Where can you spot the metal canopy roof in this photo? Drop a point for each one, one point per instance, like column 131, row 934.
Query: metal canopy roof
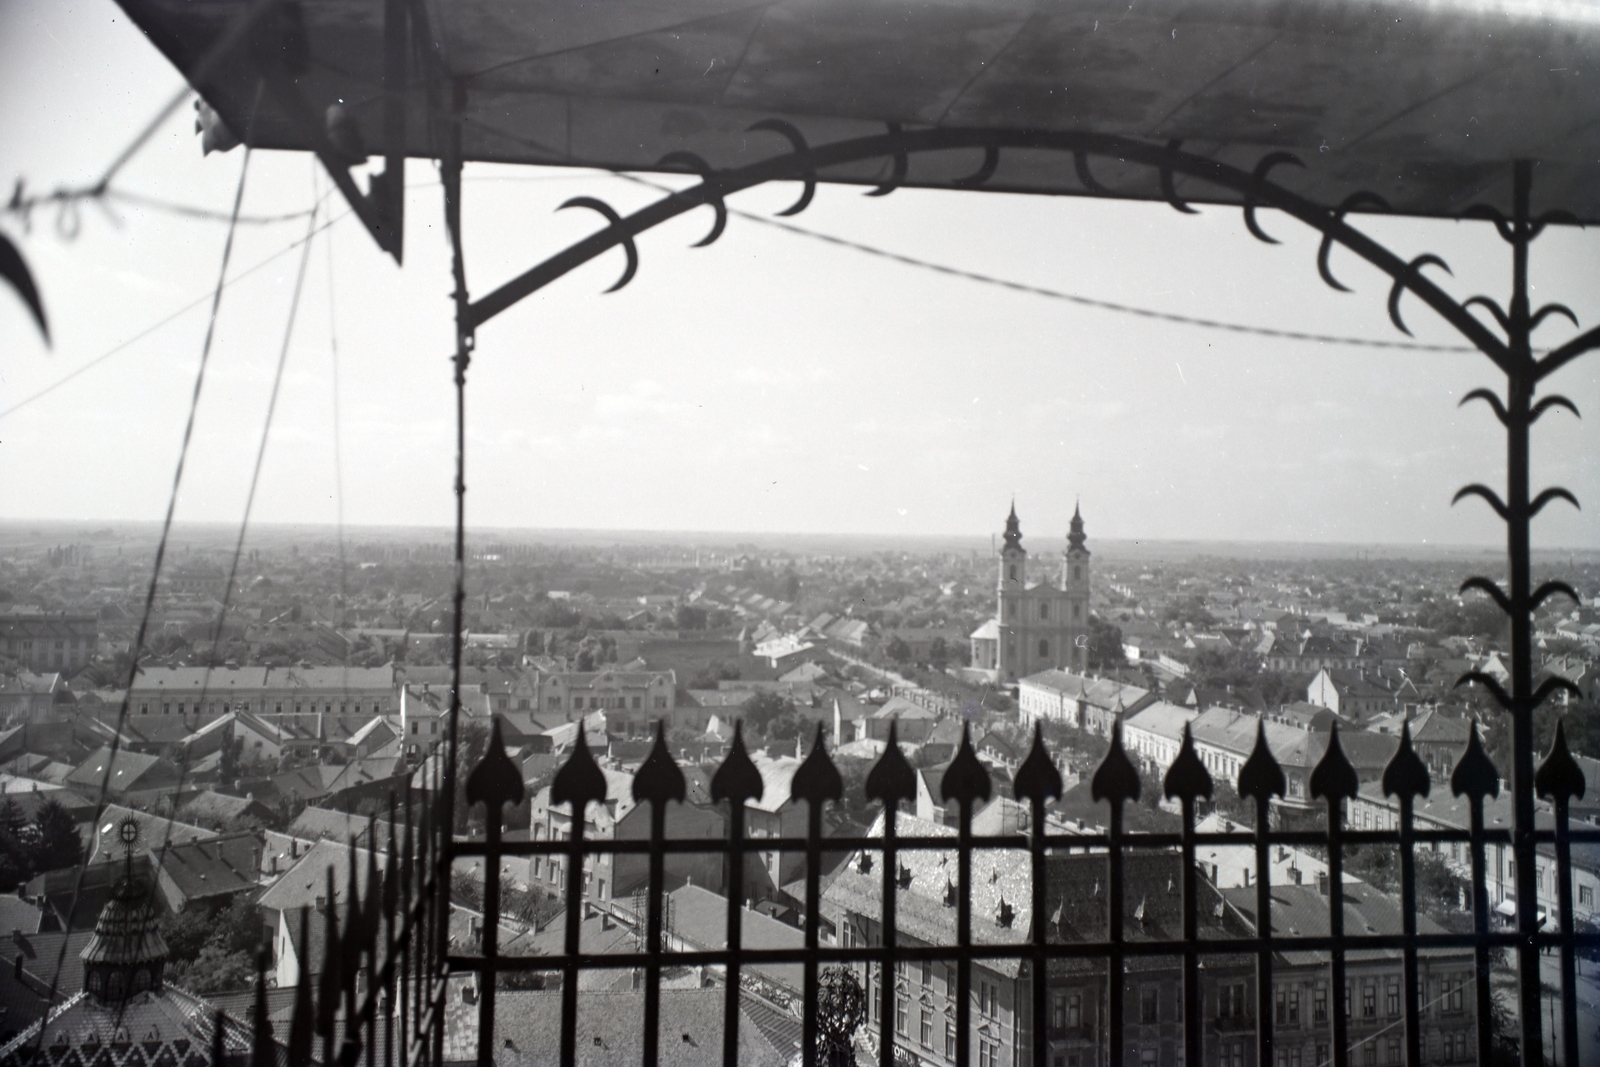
column 1424, row 103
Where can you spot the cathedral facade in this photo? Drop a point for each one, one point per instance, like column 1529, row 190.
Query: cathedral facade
column 1039, row 625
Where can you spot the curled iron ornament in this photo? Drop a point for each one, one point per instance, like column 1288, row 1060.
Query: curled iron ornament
column 985, row 171
column 1488, row 396
column 798, row 142
column 1484, row 585
column 1325, row 249
column 1489, row 682
column 1478, row 489
column 898, row 170
column 1080, row 162
column 1490, row 213
column 1489, row 305
column 1401, row 284
column 1553, row 309
column 615, row 220
column 1549, row 402
column 1263, row 168
column 1168, row 189
column 1553, row 493
column 707, row 182
column 1550, row 589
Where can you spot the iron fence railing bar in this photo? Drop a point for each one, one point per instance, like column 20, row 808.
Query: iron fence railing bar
column 1262, row 778
column 1022, row 842
column 1406, row 778
column 1117, row 782
column 1335, row 781
column 1476, row 777
column 1560, row 778
column 965, row 781
column 737, row 781
column 658, row 782
column 816, row 781
column 1038, row 781
column 1187, row 780
column 1023, row 950
column 889, row 782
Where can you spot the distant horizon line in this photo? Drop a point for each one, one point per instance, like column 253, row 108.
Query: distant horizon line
column 637, row 534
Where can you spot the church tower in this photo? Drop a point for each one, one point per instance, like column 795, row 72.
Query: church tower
column 1012, row 587
column 1075, row 583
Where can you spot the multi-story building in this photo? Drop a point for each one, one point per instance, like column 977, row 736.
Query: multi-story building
column 29, row 697
column 925, row 991
column 304, row 692
column 43, row 641
column 1442, row 810
column 1079, row 701
column 632, row 700
column 1037, row 625
column 1224, row 738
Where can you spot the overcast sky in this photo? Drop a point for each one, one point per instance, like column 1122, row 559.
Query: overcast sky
column 768, row 383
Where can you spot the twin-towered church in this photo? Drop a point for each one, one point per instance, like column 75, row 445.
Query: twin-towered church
column 1037, row 625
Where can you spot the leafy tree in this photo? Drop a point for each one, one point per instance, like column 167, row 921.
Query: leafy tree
column 761, row 709
column 215, row 971
column 55, row 841
column 898, row 651
column 691, row 617
column 1105, row 645
column 938, row 653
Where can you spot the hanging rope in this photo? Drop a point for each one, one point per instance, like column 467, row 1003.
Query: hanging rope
column 155, row 572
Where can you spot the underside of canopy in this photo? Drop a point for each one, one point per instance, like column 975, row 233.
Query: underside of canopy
column 1423, row 103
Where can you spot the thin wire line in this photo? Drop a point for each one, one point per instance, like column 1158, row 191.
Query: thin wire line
column 155, row 571
column 148, row 330
column 196, row 212
column 338, row 466
column 249, row 503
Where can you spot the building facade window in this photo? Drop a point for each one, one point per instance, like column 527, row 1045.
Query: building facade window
column 1149, row 1004
column 925, row 1033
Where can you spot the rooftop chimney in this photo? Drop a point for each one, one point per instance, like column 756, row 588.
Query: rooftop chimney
column 1322, row 882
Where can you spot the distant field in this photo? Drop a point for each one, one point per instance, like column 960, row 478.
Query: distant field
column 135, row 536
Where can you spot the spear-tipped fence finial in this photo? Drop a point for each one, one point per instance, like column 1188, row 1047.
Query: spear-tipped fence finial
column 1187, row 778
column 737, row 780
column 1475, row 775
column 659, row 779
column 1333, row 778
column 580, row 780
column 1559, row 777
column 1116, row 779
column 1037, row 779
column 817, row 779
column 496, row 781
column 1262, row 777
column 1406, row 776
column 966, row 780
column 891, row 779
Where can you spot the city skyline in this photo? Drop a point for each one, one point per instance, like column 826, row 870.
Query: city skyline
column 837, row 391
